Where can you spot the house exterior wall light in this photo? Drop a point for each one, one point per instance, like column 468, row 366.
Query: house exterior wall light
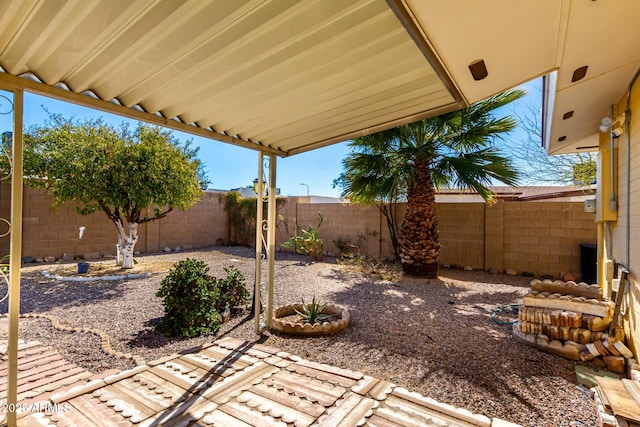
column 257, row 189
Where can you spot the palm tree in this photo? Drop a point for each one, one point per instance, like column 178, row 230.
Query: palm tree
column 413, row 160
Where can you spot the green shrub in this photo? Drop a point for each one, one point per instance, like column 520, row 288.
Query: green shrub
column 193, row 300
column 232, row 290
column 189, row 297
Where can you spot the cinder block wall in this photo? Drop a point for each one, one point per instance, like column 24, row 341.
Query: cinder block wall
column 205, row 224
column 545, row 237
column 46, row 232
column 461, row 230
column 357, row 225
column 540, row 237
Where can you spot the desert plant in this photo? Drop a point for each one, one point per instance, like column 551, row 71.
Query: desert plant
column 347, row 249
column 190, row 298
column 373, row 266
column 232, row 290
column 308, row 242
column 312, row 313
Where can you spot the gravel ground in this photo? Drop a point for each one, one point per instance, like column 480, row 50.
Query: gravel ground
column 435, row 337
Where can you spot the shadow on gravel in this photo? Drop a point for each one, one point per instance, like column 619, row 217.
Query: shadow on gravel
column 246, row 252
column 150, row 337
column 443, row 332
column 40, row 294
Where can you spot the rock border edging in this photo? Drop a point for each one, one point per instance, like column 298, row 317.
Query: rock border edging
column 93, row 278
column 105, row 343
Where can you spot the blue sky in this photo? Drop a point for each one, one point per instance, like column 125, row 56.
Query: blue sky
column 227, row 166
column 231, row 167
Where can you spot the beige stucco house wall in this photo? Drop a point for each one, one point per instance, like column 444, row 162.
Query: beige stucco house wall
column 620, row 230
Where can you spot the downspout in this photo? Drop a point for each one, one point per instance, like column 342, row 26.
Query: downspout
column 604, row 228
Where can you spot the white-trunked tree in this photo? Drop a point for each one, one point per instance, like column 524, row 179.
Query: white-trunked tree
column 132, row 175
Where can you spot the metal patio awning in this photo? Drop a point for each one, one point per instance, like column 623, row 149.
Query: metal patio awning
column 288, row 76
column 278, row 76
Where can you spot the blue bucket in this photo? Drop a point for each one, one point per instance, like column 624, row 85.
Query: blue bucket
column 83, row 267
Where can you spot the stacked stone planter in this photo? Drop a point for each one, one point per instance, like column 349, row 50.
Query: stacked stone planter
column 571, row 320
column 288, row 327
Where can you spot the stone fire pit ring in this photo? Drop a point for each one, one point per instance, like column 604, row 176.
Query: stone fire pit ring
column 285, row 326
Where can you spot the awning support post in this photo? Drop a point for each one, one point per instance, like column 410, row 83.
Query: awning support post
column 15, row 253
column 271, row 236
column 259, row 241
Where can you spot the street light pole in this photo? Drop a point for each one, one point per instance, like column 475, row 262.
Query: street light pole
column 302, row 183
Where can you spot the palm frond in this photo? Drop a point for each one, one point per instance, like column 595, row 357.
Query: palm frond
column 476, row 171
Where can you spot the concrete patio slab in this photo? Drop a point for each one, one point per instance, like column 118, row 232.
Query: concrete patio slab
column 226, row 383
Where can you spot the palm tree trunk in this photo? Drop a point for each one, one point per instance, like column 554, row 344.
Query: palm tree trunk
column 419, row 241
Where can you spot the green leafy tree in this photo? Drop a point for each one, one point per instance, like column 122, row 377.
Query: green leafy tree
column 132, row 175
column 411, row 161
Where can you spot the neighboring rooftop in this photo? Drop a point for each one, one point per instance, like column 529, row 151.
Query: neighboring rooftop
column 548, row 193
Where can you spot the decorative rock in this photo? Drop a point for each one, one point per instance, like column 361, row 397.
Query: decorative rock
column 568, row 277
column 623, row 349
column 136, row 253
column 178, row 249
column 493, row 270
column 512, row 272
column 527, row 274
column 167, row 249
column 28, row 259
column 614, row 363
column 547, row 277
column 67, row 256
column 49, row 258
column 456, row 266
column 91, row 255
column 468, row 268
column 39, row 259
column 446, row 266
column 226, row 314
column 611, row 348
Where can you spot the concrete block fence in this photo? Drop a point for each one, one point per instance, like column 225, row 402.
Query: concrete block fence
column 542, row 237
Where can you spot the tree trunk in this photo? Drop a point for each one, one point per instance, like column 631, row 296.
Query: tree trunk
column 389, row 212
column 128, row 243
column 419, row 241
